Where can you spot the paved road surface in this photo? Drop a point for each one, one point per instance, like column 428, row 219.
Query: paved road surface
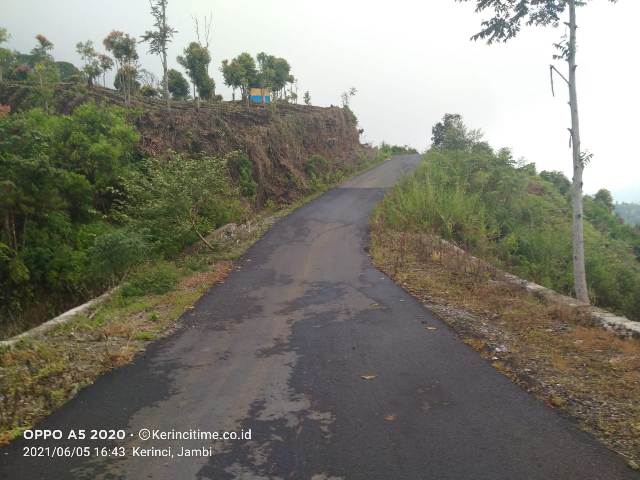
column 280, row 348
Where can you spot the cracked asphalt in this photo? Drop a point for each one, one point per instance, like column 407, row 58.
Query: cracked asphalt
column 281, row 347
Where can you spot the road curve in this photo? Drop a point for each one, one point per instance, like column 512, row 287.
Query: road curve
column 281, row 347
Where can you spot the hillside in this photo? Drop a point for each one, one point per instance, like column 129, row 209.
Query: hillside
column 510, row 215
column 278, row 139
column 92, row 190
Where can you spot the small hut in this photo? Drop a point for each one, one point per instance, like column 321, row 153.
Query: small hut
column 260, row 95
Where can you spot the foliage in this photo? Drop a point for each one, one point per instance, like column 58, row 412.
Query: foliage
column 347, row 96
column 240, row 72
column 156, row 279
column 7, row 57
column 178, row 85
column 123, row 48
column 160, row 38
column 56, row 172
column 92, row 67
column 273, row 73
column 307, row 98
column 496, row 208
column 241, row 168
column 509, row 16
column 396, row 149
column 179, row 200
column 195, row 60
column 106, row 64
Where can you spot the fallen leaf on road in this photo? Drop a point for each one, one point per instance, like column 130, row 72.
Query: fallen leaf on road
column 390, row 418
column 431, row 328
column 368, row 376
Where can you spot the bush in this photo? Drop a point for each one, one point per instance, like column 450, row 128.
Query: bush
column 241, row 169
column 179, row 200
column 154, row 279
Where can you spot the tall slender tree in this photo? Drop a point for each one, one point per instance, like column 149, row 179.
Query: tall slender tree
column 509, row 15
column 124, row 51
column 6, row 55
column 159, row 40
column 106, row 64
column 91, row 63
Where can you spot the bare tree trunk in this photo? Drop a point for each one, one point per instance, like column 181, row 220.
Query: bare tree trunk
column 165, row 66
column 579, row 274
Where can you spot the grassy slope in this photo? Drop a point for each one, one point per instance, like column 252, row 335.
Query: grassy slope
column 519, row 221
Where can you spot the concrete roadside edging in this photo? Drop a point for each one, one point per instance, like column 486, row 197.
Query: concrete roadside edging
column 59, row 320
column 607, row 320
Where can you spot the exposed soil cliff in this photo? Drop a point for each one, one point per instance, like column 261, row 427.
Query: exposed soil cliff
column 279, row 139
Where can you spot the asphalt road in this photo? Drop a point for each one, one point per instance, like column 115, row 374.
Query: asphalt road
column 280, row 348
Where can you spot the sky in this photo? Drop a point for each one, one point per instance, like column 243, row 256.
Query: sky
column 411, row 62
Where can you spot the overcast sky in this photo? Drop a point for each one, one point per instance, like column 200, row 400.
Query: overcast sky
column 411, row 62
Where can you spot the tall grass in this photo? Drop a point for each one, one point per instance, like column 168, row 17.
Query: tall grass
column 504, row 212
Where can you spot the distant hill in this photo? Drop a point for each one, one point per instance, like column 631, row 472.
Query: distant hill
column 630, row 212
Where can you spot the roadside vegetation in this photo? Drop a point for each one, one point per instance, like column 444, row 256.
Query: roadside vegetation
column 505, row 212
column 466, row 197
column 84, row 211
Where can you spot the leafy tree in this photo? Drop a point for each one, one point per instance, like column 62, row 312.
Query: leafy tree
column 452, row 134
column 178, row 85
column 504, row 25
column 42, row 50
column 44, row 74
column 240, row 73
column 195, row 61
column 274, row 73
column 106, row 64
column 7, row 57
column 159, row 40
column 92, row 67
column 123, row 48
column 307, row 98
column 604, row 197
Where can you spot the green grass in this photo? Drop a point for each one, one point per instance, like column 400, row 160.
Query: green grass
column 521, row 221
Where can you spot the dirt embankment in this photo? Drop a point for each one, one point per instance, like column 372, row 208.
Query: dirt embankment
column 279, row 139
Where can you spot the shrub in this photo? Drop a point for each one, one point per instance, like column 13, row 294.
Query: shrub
column 154, row 279
column 241, row 169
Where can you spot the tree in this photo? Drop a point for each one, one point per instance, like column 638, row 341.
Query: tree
column 452, row 134
column 7, row 57
column 240, row 73
column 45, row 73
column 91, row 67
column 196, row 61
column 274, row 74
column 508, row 18
column 346, row 96
column 178, row 85
column 106, row 64
column 42, row 49
column 307, row 98
column 159, row 39
column 604, row 197
column 123, row 48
